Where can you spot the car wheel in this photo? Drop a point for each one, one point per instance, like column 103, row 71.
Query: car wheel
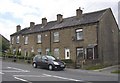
column 50, row 67
column 34, row 65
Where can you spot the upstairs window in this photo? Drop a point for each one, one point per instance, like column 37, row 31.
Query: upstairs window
column 79, row 34
column 26, row 40
column 18, row 39
column 56, row 36
column 39, row 39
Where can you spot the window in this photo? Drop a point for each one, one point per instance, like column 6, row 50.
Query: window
column 12, row 40
column 44, row 57
column 79, row 34
column 47, row 51
column 26, row 53
column 56, row 36
column 32, row 49
column 56, row 53
column 39, row 39
column 17, row 39
column 80, row 53
column 26, row 40
column 14, row 51
column 39, row 51
column 67, row 53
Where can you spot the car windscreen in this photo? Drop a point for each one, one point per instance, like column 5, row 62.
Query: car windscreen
column 51, row 58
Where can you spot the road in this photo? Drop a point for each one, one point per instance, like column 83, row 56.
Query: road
column 25, row 73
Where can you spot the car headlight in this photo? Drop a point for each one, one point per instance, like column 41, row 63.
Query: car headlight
column 55, row 63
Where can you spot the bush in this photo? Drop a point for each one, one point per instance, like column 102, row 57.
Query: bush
column 20, row 57
column 67, row 61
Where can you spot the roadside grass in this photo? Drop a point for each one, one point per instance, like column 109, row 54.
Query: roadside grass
column 98, row 66
column 116, row 71
column 0, row 54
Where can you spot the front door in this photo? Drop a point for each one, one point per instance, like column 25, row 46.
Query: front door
column 67, row 53
column 90, row 53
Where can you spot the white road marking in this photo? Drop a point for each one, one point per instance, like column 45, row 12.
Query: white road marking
column 30, row 76
column 12, row 71
column 1, row 73
column 20, row 79
column 62, row 77
column 18, row 69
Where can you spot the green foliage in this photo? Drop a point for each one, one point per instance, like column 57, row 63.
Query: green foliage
column 50, row 53
column 95, row 67
column 18, row 53
column 4, row 44
column 0, row 54
column 116, row 71
column 67, row 61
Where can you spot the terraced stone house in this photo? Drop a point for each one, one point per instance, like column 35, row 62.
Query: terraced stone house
column 84, row 37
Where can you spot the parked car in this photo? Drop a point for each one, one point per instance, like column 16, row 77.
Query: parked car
column 49, row 62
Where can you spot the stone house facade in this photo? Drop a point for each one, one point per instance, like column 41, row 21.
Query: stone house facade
column 84, row 37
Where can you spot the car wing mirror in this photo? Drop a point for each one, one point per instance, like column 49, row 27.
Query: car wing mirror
column 46, row 59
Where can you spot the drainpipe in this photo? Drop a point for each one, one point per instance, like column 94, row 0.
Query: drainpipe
column 50, row 42
column 93, row 54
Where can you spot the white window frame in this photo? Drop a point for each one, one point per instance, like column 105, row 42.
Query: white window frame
column 81, row 50
column 56, row 36
column 14, row 51
column 26, row 39
column 39, row 51
column 47, row 51
column 56, row 53
column 12, row 40
column 67, row 53
column 79, row 34
column 32, row 49
column 39, row 38
column 18, row 39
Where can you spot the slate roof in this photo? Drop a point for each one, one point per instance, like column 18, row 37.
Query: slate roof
column 67, row 22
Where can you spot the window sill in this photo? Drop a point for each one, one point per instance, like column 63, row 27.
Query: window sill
column 25, row 44
column 80, row 40
column 56, row 42
column 39, row 43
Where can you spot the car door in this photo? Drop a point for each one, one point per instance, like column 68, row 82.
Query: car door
column 44, row 62
column 38, row 60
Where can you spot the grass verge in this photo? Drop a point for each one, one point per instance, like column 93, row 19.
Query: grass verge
column 95, row 67
column 116, row 71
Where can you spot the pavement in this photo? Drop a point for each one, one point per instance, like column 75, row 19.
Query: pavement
column 109, row 69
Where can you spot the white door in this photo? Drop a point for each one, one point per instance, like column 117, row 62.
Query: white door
column 67, row 53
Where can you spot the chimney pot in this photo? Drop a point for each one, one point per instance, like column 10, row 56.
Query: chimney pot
column 44, row 21
column 79, row 13
column 18, row 28
column 59, row 18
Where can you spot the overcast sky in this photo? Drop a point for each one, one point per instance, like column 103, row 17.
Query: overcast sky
column 15, row 12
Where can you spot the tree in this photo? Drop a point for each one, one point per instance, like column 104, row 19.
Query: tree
column 4, row 44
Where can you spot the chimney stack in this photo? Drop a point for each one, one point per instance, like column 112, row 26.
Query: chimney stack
column 32, row 24
column 44, row 21
column 59, row 18
column 79, row 13
column 18, row 28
